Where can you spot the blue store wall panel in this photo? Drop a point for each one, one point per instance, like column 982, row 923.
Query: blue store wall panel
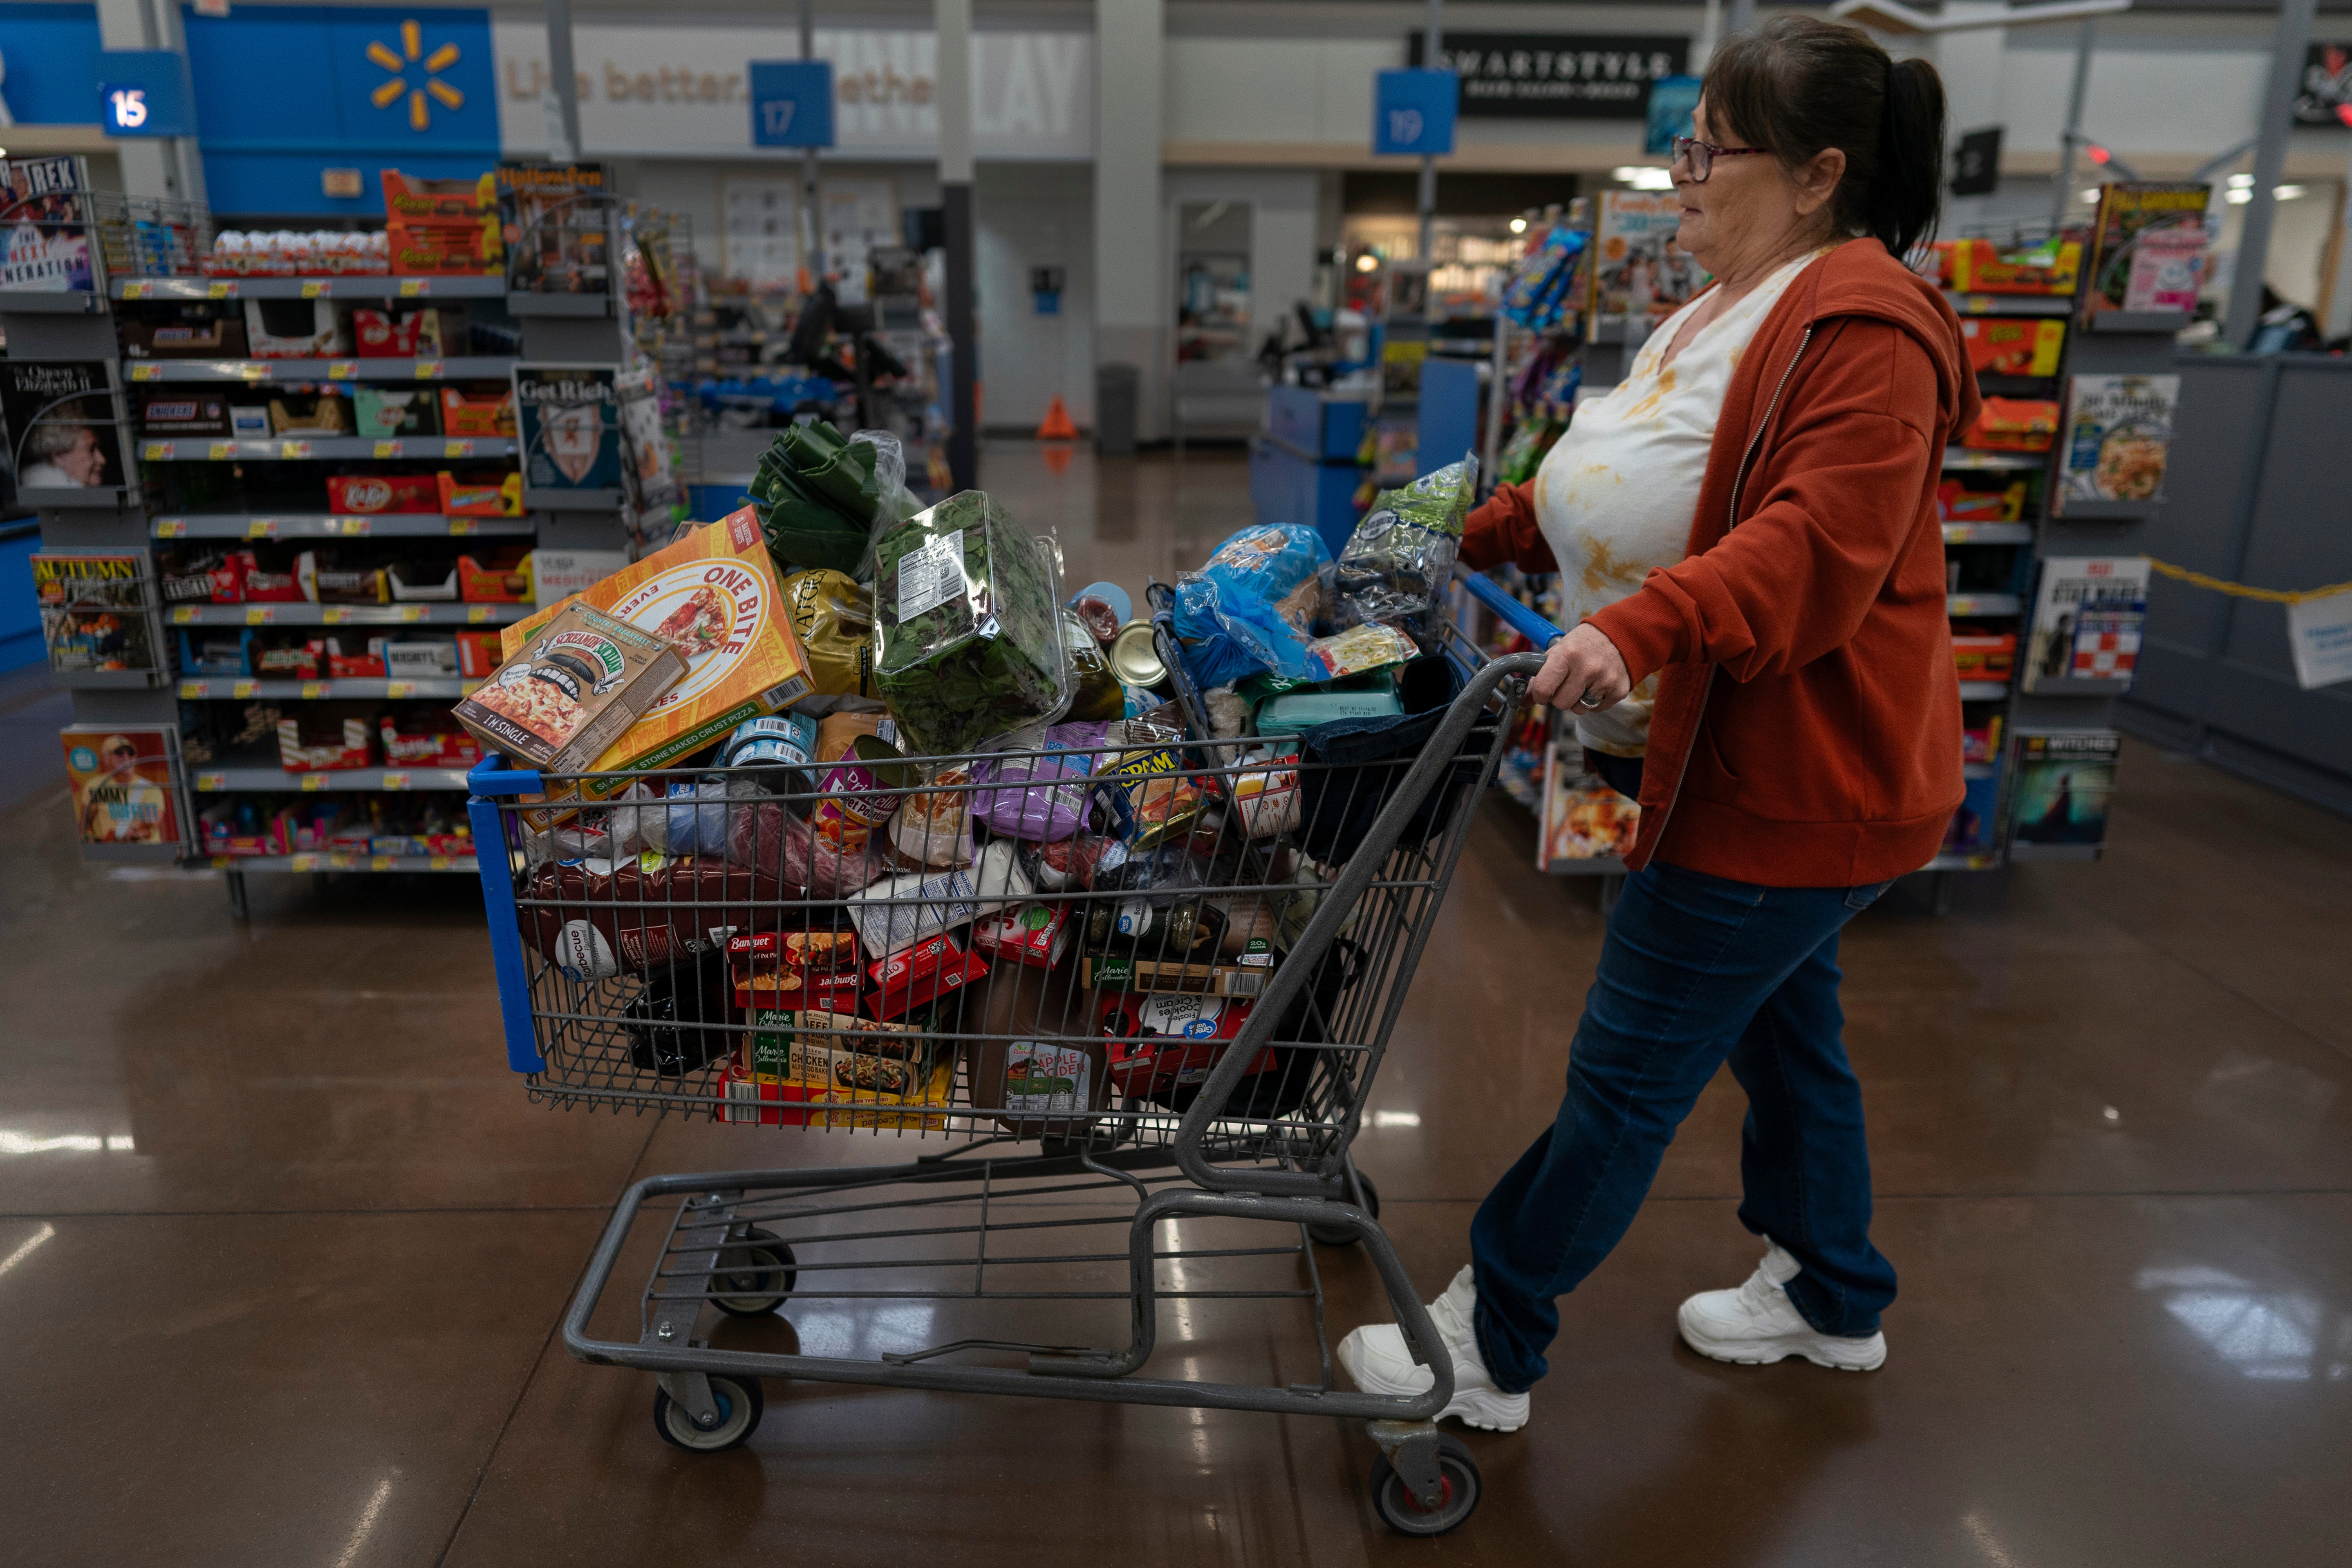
column 285, row 92
column 51, row 53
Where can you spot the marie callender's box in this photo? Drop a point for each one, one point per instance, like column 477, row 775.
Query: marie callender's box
column 714, row 597
column 569, row 689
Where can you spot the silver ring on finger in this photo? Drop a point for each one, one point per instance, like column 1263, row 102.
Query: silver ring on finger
column 1589, row 701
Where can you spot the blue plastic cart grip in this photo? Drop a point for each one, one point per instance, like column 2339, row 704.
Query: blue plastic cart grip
column 1515, row 614
column 492, row 860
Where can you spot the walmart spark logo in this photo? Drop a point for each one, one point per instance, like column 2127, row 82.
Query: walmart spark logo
column 412, row 47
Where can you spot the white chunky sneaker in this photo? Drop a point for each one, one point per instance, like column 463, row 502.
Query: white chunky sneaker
column 1758, row 1323
column 1376, row 1357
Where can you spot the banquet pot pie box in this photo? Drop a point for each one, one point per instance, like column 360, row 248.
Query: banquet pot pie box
column 713, row 596
column 577, row 681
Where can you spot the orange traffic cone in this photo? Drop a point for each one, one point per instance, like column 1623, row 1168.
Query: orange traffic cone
column 1057, row 425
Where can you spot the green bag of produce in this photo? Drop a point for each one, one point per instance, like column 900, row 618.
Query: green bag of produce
column 967, row 630
column 1400, row 557
column 820, row 497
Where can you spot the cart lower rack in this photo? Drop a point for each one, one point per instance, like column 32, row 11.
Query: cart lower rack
column 1121, row 995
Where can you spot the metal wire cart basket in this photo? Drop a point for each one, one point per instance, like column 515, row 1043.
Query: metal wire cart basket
column 1089, row 993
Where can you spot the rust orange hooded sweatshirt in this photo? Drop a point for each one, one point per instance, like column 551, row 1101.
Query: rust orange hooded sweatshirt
column 1806, row 729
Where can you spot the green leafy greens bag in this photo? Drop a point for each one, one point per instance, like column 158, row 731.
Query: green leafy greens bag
column 1400, row 557
column 820, row 497
column 967, row 630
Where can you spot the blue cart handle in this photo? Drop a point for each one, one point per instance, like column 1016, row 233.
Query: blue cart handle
column 1515, row 614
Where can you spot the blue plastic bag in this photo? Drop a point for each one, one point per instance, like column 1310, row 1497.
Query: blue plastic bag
column 1256, row 604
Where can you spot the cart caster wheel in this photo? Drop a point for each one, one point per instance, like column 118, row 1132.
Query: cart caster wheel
column 740, row 1403
column 755, row 1274
column 1458, row 1495
column 1339, row 1235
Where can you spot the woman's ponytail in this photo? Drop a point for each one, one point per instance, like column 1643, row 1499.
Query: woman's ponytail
column 1901, row 205
column 1799, row 85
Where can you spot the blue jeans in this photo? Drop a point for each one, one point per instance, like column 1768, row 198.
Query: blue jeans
column 1694, row 968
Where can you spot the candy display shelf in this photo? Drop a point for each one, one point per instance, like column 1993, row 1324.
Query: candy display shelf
column 185, row 503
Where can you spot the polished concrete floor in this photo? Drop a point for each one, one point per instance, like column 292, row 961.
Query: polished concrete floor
column 283, row 1248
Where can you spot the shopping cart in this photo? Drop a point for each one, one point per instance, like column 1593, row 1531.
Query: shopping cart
column 1285, row 893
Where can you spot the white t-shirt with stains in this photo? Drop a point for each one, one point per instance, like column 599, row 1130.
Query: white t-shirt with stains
column 1615, row 494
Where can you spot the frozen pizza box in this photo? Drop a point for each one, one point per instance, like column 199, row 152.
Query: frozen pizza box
column 1124, row 972
column 566, row 692
column 714, row 596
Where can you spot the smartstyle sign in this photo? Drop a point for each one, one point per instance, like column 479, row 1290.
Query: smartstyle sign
column 1557, row 76
column 647, row 89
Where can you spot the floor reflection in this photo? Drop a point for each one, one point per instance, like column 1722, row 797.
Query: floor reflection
column 2274, row 1335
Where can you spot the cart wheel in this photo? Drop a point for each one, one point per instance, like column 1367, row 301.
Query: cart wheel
column 1457, row 1475
column 755, row 1274
column 740, row 1403
column 1339, row 1235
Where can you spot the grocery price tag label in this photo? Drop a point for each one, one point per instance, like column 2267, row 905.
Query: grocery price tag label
column 441, row 862
column 411, row 613
column 302, row 862
column 146, row 371
column 294, row 449
column 428, row 370
column 171, row 527
column 2320, row 633
column 241, row 690
column 154, row 451
column 477, row 614
column 342, row 370
column 931, row 575
column 261, row 528
column 253, row 369
column 220, row 862
column 315, row 689
column 190, row 691
column 218, row 452
column 137, row 290
column 400, row 688
column 387, row 449
column 415, row 288
column 355, row 526
column 184, row 616
column 313, row 782
column 458, row 448
column 379, row 863
column 461, row 526
column 260, row 614
column 211, row 784
column 222, row 290
column 336, row 617
column 395, row 781
column 314, row 288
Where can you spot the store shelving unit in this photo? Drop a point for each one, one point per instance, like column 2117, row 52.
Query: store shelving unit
column 590, row 328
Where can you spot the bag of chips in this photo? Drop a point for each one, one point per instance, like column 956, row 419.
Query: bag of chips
column 1400, row 557
column 834, row 618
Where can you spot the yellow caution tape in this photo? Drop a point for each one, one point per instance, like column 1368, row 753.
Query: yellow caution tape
column 2241, row 591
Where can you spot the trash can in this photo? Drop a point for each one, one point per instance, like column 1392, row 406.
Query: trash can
column 1117, row 389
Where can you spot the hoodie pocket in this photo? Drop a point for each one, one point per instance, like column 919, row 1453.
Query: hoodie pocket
column 1708, row 776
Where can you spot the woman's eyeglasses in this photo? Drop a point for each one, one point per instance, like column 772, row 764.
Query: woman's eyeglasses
column 1701, row 156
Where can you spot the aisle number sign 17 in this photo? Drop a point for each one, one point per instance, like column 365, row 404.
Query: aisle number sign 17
column 1413, row 111
column 792, row 103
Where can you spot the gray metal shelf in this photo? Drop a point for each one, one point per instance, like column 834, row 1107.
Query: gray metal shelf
column 231, row 776
column 1988, row 533
column 456, row 367
column 336, row 525
column 240, row 687
column 2023, row 462
column 318, row 448
column 1983, row 604
column 2010, row 304
column 347, row 286
column 308, row 615
column 47, row 303
column 345, row 860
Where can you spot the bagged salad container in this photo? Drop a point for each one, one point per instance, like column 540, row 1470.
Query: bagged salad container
column 967, row 629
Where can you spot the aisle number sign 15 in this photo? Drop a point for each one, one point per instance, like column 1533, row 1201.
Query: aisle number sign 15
column 143, row 92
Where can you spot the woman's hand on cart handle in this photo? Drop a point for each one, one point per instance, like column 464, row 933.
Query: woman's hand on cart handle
column 1583, row 673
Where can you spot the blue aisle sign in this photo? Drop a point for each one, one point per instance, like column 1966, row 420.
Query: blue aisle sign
column 792, row 103
column 1413, row 111
column 143, row 92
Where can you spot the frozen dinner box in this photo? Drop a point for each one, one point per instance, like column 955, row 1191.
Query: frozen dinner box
column 579, row 679
column 714, row 597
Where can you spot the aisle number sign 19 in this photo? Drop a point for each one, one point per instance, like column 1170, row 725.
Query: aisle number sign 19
column 1413, row 111
column 792, row 103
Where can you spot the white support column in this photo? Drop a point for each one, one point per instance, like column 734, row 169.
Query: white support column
column 1133, row 305
column 954, row 75
column 1969, row 63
